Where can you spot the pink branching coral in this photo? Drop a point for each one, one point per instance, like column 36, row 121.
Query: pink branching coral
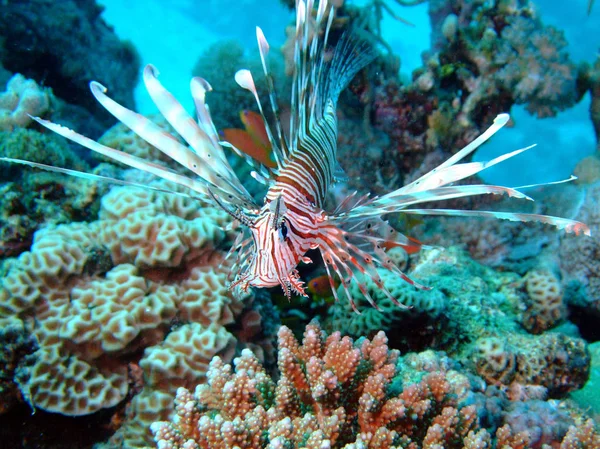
column 331, row 393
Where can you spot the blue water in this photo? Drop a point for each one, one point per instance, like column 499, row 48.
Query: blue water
column 172, row 34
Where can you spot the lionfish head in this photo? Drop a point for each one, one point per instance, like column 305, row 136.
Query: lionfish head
column 268, row 256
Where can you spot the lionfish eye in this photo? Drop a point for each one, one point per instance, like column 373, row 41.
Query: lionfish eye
column 283, row 229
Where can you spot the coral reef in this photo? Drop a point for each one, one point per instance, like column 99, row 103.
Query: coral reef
column 18, row 347
column 115, row 308
column 579, row 259
column 31, row 199
column 23, row 98
column 486, row 57
column 100, row 293
column 335, row 393
column 66, row 44
column 477, row 315
column 420, row 306
column 467, row 300
column 34, row 146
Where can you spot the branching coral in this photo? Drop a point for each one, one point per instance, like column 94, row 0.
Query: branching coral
column 333, row 393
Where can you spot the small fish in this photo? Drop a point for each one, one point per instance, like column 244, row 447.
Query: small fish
column 320, row 286
column 253, row 140
column 291, row 221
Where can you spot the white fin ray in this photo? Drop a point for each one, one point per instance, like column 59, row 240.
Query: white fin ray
column 199, row 186
column 94, row 177
column 397, row 202
column 212, row 155
column 443, row 174
column 570, row 226
column 246, row 81
column 166, row 143
column 263, row 48
column 198, row 87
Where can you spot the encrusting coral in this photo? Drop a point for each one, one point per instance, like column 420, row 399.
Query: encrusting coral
column 335, row 393
column 553, row 361
column 545, row 301
column 23, row 98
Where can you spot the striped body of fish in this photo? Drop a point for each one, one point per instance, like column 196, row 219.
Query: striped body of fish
column 352, row 239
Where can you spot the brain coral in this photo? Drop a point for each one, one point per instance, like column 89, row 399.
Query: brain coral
column 545, row 301
column 96, row 294
column 552, row 360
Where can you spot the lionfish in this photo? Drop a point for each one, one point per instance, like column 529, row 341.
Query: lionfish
column 353, row 239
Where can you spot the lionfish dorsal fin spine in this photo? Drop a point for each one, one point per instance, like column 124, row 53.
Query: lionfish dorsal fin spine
column 212, row 158
column 319, row 78
column 263, row 48
column 246, row 81
column 169, row 145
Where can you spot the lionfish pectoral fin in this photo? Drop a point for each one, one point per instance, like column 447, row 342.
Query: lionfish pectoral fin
column 198, row 186
column 570, row 226
column 550, row 183
column 450, row 174
column 499, row 122
column 207, row 161
column 95, row 177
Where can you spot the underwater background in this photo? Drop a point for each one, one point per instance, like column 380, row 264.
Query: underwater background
column 114, row 300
